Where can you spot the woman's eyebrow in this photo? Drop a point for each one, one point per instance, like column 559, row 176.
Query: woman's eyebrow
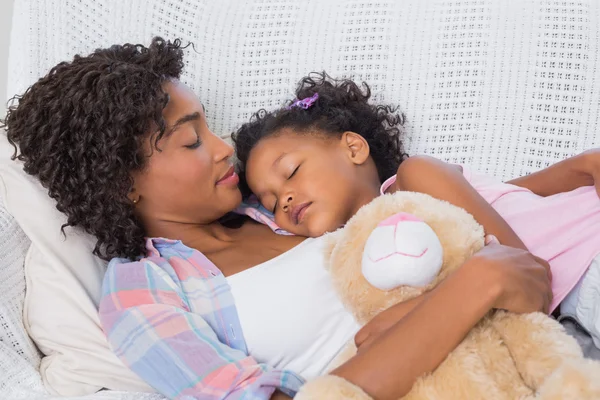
column 186, row 118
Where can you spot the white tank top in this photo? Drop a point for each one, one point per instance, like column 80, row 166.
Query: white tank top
column 290, row 314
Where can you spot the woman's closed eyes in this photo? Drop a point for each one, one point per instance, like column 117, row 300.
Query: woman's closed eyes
column 196, row 144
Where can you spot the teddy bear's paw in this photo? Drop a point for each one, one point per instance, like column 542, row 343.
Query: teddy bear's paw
column 577, row 380
column 330, row 387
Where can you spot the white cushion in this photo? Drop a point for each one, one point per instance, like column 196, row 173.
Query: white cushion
column 19, row 358
column 63, row 290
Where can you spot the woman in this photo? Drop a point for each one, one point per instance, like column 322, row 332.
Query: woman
column 124, row 149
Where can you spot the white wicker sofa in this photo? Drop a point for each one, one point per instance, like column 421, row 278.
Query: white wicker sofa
column 507, row 87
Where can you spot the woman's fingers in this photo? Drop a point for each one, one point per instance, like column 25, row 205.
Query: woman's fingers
column 546, row 265
column 548, row 270
column 491, row 239
column 524, row 280
column 542, row 283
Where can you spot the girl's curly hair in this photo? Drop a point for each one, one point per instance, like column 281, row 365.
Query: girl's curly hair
column 80, row 131
column 342, row 106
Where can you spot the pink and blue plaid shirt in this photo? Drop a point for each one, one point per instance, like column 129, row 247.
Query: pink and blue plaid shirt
column 171, row 318
column 253, row 209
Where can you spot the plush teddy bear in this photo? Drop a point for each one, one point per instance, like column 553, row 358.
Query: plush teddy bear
column 402, row 245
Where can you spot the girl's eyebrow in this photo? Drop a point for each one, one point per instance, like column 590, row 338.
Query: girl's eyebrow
column 278, row 159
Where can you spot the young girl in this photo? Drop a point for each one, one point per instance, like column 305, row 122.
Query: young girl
column 313, row 164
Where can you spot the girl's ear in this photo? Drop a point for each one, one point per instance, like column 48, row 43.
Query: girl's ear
column 356, row 146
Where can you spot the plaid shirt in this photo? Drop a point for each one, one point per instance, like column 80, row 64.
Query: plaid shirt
column 253, row 209
column 171, row 318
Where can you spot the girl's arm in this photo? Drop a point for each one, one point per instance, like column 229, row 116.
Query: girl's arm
column 446, row 182
column 496, row 277
column 564, row 176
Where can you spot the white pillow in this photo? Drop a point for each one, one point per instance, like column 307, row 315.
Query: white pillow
column 64, row 284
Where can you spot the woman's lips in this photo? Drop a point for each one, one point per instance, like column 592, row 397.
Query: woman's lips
column 230, row 178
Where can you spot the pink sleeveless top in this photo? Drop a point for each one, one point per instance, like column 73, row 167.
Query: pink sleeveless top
column 563, row 229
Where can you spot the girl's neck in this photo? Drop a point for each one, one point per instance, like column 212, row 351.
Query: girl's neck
column 367, row 185
column 367, row 192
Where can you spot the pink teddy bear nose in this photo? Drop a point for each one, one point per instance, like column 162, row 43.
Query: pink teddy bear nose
column 400, row 217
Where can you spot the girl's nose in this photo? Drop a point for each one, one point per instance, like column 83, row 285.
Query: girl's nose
column 287, row 202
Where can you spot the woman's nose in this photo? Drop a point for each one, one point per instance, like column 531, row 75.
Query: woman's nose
column 223, row 150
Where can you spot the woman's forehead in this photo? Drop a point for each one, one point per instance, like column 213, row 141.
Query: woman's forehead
column 182, row 101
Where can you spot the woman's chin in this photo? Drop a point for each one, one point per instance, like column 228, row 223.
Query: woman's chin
column 230, row 199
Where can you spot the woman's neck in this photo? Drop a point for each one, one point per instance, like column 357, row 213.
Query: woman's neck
column 231, row 250
column 207, row 238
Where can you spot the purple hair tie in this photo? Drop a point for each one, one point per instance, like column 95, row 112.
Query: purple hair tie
column 305, row 103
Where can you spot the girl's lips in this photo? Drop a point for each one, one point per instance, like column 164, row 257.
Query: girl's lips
column 230, row 178
column 298, row 212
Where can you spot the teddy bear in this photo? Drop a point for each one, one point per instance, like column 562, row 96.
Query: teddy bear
column 402, row 245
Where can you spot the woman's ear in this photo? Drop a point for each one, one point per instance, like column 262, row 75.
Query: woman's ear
column 133, row 196
column 357, row 147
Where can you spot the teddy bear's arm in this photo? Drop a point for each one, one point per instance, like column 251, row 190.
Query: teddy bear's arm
column 538, row 344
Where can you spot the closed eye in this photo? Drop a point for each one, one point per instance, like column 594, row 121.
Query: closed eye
column 195, row 145
column 294, row 173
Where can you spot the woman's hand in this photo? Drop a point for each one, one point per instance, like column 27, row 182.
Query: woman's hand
column 491, row 239
column 497, row 276
column 523, row 280
column 387, row 318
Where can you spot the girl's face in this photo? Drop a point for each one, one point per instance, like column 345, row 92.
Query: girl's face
column 312, row 183
column 189, row 178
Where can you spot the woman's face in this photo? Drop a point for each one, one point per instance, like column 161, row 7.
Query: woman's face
column 189, row 178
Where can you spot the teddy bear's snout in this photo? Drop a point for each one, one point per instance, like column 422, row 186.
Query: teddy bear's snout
column 402, row 250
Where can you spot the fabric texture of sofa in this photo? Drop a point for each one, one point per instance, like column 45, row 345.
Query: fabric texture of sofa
column 507, row 87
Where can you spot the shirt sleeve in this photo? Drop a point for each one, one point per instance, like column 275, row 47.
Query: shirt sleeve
column 386, row 185
column 253, row 209
column 151, row 329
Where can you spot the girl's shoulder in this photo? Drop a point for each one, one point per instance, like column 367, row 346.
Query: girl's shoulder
column 413, row 164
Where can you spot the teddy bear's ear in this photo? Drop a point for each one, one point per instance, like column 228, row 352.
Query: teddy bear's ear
column 331, row 241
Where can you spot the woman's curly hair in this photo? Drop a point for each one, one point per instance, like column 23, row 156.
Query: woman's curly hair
column 342, row 106
column 80, row 130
